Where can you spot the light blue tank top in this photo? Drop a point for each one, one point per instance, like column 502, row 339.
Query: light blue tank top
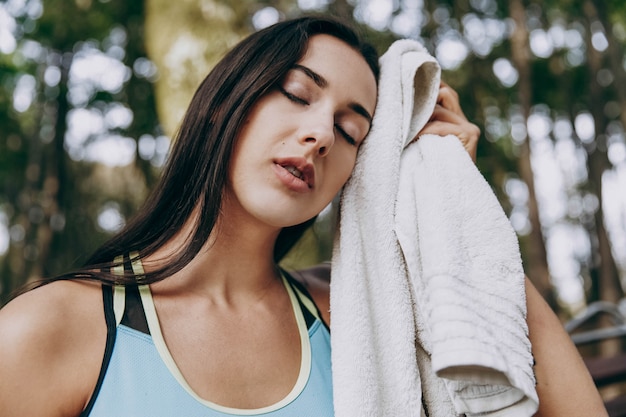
column 142, row 379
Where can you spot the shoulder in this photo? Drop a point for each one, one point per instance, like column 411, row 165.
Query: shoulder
column 316, row 280
column 52, row 342
column 50, row 309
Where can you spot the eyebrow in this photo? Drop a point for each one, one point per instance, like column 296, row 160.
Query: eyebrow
column 323, row 83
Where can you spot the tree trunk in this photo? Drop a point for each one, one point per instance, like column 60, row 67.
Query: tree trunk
column 185, row 39
column 54, row 177
column 608, row 285
column 535, row 250
column 615, row 55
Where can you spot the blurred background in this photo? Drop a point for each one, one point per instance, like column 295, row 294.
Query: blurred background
column 92, row 91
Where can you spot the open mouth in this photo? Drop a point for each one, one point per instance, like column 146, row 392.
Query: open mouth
column 294, row 171
column 297, row 171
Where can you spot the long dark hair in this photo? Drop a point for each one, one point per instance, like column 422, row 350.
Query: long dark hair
column 196, row 171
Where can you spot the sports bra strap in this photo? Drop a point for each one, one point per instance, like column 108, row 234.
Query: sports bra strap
column 127, row 301
column 119, row 290
column 310, row 309
column 109, row 318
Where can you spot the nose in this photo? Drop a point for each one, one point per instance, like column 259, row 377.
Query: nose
column 320, row 134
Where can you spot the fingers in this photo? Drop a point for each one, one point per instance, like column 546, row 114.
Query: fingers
column 444, row 114
column 448, row 119
column 467, row 136
column 453, row 121
column 448, row 98
column 468, row 133
column 445, row 122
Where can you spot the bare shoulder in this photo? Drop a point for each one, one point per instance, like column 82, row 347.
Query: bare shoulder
column 52, row 310
column 52, row 342
column 316, row 280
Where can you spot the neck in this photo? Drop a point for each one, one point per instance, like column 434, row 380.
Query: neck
column 237, row 259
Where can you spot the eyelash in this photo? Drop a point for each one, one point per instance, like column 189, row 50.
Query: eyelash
column 303, row 102
column 347, row 137
column 293, row 98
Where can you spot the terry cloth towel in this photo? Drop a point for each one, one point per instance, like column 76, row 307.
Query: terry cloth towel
column 427, row 291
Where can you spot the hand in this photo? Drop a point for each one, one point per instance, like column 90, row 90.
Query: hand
column 448, row 119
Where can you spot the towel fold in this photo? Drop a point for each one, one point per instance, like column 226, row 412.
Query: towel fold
column 427, row 290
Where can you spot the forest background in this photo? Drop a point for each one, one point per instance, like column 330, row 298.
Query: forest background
column 91, row 93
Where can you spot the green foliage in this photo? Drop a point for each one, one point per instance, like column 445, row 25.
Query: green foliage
column 561, row 83
column 48, row 201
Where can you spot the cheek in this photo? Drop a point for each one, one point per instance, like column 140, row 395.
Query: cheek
column 346, row 172
column 341, row 173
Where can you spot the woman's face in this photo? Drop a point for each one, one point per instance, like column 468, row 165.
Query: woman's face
column 299, row 143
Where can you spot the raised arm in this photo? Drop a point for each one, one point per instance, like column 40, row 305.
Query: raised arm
column 564, row 385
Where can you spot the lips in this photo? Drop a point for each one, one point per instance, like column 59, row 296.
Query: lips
column 297, row 172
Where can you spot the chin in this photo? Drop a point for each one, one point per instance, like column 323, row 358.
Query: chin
column 284, row 215
column 281, row 219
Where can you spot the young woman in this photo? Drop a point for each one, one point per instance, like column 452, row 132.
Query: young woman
column 214, row 328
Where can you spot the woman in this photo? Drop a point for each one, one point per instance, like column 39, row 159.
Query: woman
column 270, row 137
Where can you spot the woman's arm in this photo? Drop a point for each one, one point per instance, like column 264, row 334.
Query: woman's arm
column 564, row 385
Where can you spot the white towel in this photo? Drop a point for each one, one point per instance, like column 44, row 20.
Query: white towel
column 427, row 290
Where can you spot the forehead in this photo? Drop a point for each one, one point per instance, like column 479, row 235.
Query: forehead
column 343, row 67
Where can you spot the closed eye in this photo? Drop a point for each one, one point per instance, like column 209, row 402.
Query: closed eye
column 303, row 102
column 294, row 98
column 346, row 136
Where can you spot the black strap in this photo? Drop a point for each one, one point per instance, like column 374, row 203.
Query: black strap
column 307, row 314
column 109, row 318
column 134, row 314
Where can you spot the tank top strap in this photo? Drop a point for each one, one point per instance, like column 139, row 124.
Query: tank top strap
column 108, row 302
column 309, row 308
column 128, row 306
column 119, row 292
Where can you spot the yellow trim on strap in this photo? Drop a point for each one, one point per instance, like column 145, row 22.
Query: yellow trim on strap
column 307, row 303
column 119, row 292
